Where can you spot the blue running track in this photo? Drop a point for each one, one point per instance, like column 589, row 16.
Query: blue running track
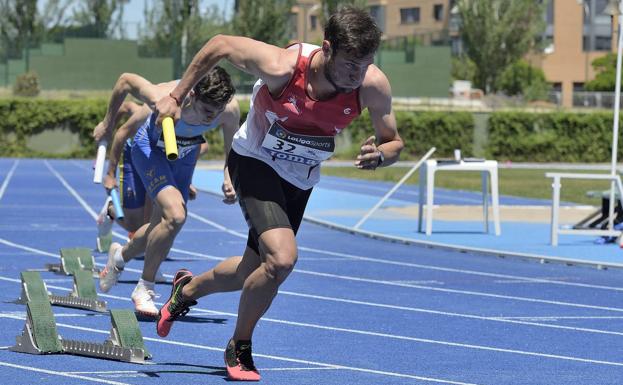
column 355, row 310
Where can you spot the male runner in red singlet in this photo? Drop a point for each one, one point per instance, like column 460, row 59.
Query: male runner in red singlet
column 305, row 95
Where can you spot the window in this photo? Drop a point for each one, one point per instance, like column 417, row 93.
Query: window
column 409, row 15
column 378, row 14
column 578, row 87
column 313, row 22
column 438, row 12
column 597, row 30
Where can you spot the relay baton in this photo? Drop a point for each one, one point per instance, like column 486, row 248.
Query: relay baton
column 170, row 143
column 116, row 202
column 99, row 162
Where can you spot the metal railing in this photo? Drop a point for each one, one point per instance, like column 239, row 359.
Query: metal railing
column 593, row 99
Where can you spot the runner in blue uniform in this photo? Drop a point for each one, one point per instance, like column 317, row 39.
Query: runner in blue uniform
column 208, row 105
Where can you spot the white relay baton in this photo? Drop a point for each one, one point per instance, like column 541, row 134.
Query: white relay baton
column 98, row 174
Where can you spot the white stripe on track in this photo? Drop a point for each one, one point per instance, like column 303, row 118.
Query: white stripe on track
column 414, row 265
column 345, row 255
column 497, row 319
column 429, row 341
column 62, row 374
column 9, row 175
column 345, row 330
column 455, row 291
column 279, row 358
column 381, row 282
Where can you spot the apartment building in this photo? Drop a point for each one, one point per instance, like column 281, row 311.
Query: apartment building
column 427, row 19
column 577, row 32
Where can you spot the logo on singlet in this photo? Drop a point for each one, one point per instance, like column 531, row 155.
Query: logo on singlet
column 292, row 100
column 150, row 172
column 347, row 111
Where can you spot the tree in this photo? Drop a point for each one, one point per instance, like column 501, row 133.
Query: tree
column 605, row 80
column 521, row 78
column 20, row 28
column 176, row 28
column 497, row 33
column 97, row 15
column 264, row 20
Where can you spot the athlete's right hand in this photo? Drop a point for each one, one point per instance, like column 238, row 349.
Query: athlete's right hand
column 229, row 194
column 109, row 182
column 166, row 106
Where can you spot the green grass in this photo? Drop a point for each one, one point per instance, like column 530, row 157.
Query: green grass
column 525, row 183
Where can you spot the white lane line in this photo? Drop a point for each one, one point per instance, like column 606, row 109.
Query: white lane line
column 71, row 190
column 388, row 283
column 92, row 212
column 414, row 265
column 454, row 291
column 297, row 369
column 556, row 318
column 279, row 358
column 8, row 178
column 135, row 372
column 513, row 320
column 360, row 332
column 62, row 374
column 345, row 255
column 510, row 320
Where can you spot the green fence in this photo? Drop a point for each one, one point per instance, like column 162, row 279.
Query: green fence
column 428, row 75
column 86, row 64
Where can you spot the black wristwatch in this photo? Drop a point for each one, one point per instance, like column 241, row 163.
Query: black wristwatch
column 381, row 158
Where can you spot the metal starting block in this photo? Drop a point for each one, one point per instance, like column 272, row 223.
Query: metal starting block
column 83, row 296
column 40, row 336
column 74, row 259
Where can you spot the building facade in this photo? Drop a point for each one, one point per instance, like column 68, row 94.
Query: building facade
column 577, row 32
column 427, row 19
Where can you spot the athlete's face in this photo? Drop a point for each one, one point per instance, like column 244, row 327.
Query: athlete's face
column 197, row 112
column 346, row 72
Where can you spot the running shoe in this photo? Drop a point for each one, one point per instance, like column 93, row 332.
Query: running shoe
column 111, row 273
column 104, row 228
column 239, row 362
column 175, row 306
column 143, row 299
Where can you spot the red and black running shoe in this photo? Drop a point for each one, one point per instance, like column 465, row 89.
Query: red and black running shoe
column 239, row 362
column 176, row 306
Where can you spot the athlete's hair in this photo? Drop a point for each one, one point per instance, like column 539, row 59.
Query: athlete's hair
column 354, row 31
column 215, row 87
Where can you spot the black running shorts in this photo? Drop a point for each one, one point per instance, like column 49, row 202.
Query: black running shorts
column 267, row 200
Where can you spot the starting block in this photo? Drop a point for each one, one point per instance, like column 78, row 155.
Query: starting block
column 83, row 295
column 40, row 336
column 74, row 259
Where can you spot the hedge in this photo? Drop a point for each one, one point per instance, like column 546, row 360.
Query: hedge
column 420, row 131
column 21, row 118
column 550, row 137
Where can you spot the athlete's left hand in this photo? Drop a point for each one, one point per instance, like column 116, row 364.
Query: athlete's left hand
column 192, row 193
column 368, row 158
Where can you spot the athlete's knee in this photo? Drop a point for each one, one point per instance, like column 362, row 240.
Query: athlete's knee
column 174, row 217
column 279, row 264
